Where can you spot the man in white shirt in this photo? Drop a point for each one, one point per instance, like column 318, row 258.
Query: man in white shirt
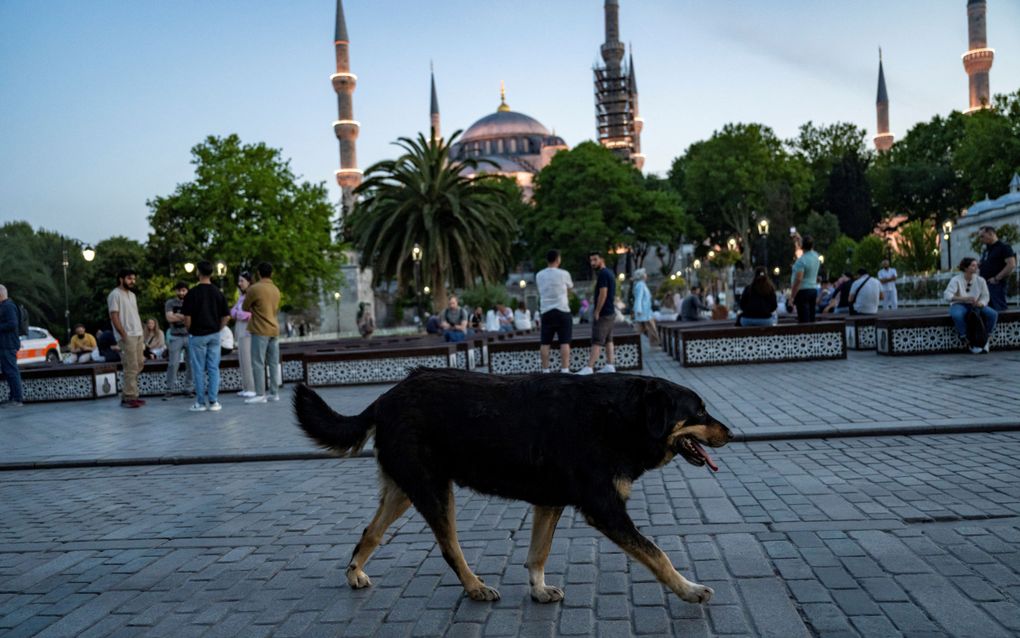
column 127, row 327
column 553, row 284
column 887, row 277
column 865, row 294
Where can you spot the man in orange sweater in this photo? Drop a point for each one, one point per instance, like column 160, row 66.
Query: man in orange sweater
column 263, row 302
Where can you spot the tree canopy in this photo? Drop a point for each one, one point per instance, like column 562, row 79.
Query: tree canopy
column 245, row 206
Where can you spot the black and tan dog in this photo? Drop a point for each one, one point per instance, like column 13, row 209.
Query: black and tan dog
column 550, row 440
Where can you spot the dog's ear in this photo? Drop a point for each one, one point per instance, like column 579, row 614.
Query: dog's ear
column 656, row 404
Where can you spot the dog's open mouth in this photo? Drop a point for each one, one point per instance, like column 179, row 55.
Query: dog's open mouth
column 691, row 450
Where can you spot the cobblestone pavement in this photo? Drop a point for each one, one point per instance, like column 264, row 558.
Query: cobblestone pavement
column 882, row 536
column 864, row 394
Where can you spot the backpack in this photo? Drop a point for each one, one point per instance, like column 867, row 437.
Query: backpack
column 977, row 336
column 22, row 320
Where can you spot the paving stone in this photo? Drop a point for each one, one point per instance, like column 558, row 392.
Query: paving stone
column 942, row 602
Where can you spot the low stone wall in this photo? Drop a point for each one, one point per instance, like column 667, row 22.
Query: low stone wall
column 717, row 345
column 521, row 356
column 937, row 335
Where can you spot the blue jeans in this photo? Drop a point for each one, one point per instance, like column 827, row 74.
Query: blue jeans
column 9, row 366
column 454, row 336
column 958, row 311
column 753, row 321
column 204, row 358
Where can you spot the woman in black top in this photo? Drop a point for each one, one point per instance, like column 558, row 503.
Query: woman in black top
column 758, row 303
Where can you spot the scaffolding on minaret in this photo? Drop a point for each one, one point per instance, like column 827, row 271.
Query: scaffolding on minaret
column 617, row 123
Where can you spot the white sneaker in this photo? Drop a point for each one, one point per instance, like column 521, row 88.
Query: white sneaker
column 198, row 407
column 215, row 406
column 607, row 368
column 586, row 370
column 273, row 397
column 256, row 399
column 976, row 350
column 564, row 370
column 988, row 348
column 246, row 394
column 546, row 370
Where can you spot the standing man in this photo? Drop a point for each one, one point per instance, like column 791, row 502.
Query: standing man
column 553, row 284
column 887, row 277
column 178, row 334
column 10, row 343
column 263, row 302
column 127, row 328
column 998, row 262
column 603, row 315
column 205, row 314
column 804, row 281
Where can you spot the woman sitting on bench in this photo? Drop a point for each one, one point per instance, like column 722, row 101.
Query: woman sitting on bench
column 758, row 302
column 966, row 292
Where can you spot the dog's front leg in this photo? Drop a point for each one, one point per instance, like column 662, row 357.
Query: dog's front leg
column 613, row 521
column 392, row 503
column 543, row 525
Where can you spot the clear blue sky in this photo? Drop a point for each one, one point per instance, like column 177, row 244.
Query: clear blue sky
column 101, row 100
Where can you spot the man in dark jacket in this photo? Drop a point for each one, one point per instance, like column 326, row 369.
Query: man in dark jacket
column 10, row 343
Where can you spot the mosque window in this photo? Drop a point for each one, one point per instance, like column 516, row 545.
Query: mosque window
column 513, row 144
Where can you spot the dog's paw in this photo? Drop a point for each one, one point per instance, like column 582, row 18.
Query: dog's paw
column 697, row 594
column 484, row 593
column 546, row 594
column 358, row 579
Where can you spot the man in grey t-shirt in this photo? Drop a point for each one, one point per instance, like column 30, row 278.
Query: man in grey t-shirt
column 127, row 328
column 178, row 336
column 553, row 285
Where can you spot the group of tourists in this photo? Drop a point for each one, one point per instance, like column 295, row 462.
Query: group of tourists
column 197, row 317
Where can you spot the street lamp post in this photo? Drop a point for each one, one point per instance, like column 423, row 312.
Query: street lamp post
column 67, row 303
column 763, row 232
column 221, row 272
column 336, row 297
column 947, row 229
column 416, row 255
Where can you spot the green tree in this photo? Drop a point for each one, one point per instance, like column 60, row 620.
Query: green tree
column 245, row 206
column 831, row 152
column 823, row 228
column 839, row 258
column 915, row 250
column 31, row 276
column 917, row 178
column 740, row 173
column 989, row 152
column 485, row 296
column 871, row 250
column 465, row 225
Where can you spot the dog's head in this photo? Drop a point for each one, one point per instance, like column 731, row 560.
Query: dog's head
column 677, row 416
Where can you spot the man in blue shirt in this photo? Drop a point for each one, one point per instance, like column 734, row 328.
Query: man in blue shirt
column 804, row 281
column 603, row 315
column 10, row 343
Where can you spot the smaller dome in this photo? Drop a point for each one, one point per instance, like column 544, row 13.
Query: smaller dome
column 980, row 207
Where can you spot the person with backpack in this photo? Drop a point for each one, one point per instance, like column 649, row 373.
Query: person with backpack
column 10, row 343
column 968, row 293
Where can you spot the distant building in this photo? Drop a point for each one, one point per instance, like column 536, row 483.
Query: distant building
column 977, row 61
column 988, row 212
column 618, row 122
column 884, row 139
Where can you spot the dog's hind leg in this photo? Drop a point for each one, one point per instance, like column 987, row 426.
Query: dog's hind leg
column 439, row 511
column 611, row 519
column 543, row 524
column 392, row 503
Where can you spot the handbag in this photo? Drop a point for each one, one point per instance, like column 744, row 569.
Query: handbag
column 977, row 336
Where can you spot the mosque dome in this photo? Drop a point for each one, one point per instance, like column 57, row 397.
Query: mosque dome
column 510, row 136
column 504, row 124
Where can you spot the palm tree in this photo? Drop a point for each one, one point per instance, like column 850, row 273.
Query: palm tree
column 463, row 223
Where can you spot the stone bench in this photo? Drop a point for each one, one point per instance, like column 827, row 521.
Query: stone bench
column 521, row 355
column 936, row 334
column 384, row 365
column 716, row 345
column 58, row 382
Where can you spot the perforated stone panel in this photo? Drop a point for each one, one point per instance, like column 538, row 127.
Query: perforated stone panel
column 323, row 373
column 525, row 361
column 154, row 383
column 907, row 340
column 52, row 388
column 750, row 349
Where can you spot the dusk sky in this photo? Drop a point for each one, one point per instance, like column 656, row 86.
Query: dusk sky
column 101, row 100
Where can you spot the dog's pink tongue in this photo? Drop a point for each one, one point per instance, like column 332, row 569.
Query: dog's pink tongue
column 708, row 459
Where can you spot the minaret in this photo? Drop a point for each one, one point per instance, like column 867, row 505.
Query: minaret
column 434, row 109
column 345, row 127
column 612, row 112
column 638, row 122
column 884, row 139
column 977, row 61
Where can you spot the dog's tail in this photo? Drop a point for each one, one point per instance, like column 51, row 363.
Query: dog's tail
column 345, row 435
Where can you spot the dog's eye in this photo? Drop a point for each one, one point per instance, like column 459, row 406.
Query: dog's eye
column 701, row 414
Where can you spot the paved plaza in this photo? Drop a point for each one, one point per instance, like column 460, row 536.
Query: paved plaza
column 799, row 535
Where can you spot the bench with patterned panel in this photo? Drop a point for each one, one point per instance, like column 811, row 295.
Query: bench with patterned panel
column 58, row 382
column 786, row 342
column 382, row 365
column 521, row 355
column 937, row 335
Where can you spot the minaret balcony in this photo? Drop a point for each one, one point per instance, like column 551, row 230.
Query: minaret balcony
column 343, row 81
column 348, row 177
column 978, row 60
column 346, row 129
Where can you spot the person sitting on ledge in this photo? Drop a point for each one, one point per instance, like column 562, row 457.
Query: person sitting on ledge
column 692, row 306
column 968, row 292
column 82, row 346
column 454, row 321
column 758, row 303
